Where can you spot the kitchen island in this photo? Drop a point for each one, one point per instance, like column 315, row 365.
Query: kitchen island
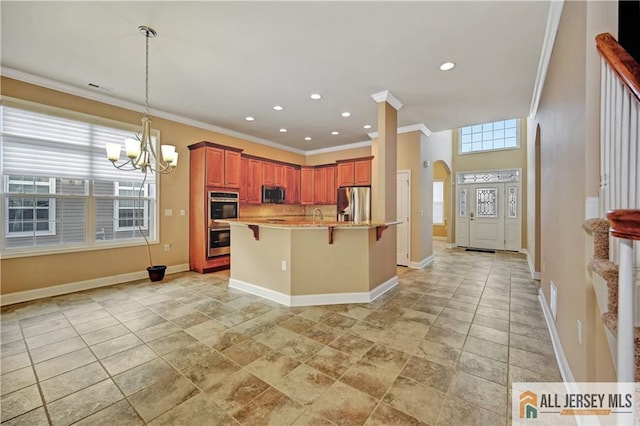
column 296, row 261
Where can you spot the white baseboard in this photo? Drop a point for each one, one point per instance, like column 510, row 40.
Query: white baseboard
column 563, row 364
column 314, row 299
column 422, row 264
column 535, row 275
column 57, row 290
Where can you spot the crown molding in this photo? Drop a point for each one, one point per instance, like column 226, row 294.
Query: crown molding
column 553, row 21
column 339, row 148
column 420, row 127
column 121, row 103
column 387, row 97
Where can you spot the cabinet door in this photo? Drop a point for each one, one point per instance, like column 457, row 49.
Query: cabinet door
column 320, row 186
column 362, row 172
column 291, row 184
column 278, row 175
column 244, row 180
column 254, row 178
column 232, row 169
column 345, row 173
column 306, row 185
column 330, row 188
column 215, row 167
column 267, row 173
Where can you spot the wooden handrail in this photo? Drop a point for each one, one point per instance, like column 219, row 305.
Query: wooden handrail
column 625, row 223
column 621, row 62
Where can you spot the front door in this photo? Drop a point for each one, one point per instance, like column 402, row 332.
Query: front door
column 486, row 216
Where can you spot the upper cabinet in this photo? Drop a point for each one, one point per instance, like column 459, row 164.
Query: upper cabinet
column 222, row 165
column 267, row 173
column 254, row 181
column 307, row 185
column 354, row 172
column 291, row 184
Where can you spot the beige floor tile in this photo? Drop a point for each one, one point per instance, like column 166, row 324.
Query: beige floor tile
column 272, row 366
column 385, row 415
column 223, row 340
column 309, row 418
column 322, row 333
column 352, row 344
column 157, row 331
column 236, row 391
column 486, row 348
column 162, row 396
column 45, row 327
column 438, row 353
column 491, row 334
column 113, row 346
column 414, row 399
column 130, row 358
column 102, row 335
column 48, row 338
column 72, row 381
column 197, row 410
column 12, row 348
column 452, row 324
column 36, row 417
column 171, row 342
column 344, row 405
column 428, row 373
column 491, row 322
column 17, row 379
column 246, row 351
column 270, row 408
column 120, row 414
column 64, row 363
column 96, row 324
column 297, row 324
column 190, row 320
column 446, row 337
column 43, row 353
column 142, row 376
column 542, row 347
column 204, row 367
column 15, row 362
column 19, row 402
column 83, row 403
column 541, row 364
column 487, row 368
column 479, row 391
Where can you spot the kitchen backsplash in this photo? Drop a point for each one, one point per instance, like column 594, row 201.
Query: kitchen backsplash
column 276, row 210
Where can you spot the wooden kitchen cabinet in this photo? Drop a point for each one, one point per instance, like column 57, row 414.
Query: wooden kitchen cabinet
column 267, row 173
column 354, row 172
column 254, row 181
column 232, row 169
column 244, row 180
column 291, row 185
column 211, row 167
column 278, row 175
column 307, row 185
column 325, row 185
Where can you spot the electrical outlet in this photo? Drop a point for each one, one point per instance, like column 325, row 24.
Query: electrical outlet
column 168, row 212
column 167, row 247
column 284, row 265
column 182, row 212
column 579, row 326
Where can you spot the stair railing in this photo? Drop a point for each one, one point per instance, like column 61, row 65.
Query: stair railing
column 620, row 185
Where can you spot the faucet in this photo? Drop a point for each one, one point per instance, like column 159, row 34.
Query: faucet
column 317, row 210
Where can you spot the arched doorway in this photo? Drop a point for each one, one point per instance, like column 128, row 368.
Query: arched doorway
column 442, row 206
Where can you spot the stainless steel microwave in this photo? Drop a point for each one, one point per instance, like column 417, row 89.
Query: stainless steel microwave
column 272, row 194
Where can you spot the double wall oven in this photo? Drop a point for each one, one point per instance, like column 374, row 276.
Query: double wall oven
column 222, row 205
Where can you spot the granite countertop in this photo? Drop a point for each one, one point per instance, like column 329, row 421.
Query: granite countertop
column 303, row 222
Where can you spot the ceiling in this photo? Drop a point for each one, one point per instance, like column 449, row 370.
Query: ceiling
column 218, row 62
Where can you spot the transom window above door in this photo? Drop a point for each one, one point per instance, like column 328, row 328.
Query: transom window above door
column 492, row 136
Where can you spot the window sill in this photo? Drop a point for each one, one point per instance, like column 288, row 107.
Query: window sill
column 46, row 251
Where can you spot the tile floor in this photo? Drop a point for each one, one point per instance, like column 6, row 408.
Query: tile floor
column 440, row 349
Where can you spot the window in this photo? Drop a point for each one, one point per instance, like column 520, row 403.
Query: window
column 128, row 215
column 27, row 213
column 438, row 202
column 489, row 136
column 59, row 191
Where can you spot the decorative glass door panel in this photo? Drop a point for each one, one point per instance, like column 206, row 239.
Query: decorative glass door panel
column 487, row 202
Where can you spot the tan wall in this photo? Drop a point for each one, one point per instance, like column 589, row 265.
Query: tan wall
column 331, row 157
column 413, row 149
column 568, row 108
column 440, row 172
column 497, row 160
column 28, row 273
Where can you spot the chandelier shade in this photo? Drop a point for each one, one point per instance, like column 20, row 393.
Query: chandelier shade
column 140, row 151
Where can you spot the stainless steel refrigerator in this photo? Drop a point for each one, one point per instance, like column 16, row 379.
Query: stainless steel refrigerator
column 354, row 204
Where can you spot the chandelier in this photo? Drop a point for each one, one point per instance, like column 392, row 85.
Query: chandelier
column 140, row 151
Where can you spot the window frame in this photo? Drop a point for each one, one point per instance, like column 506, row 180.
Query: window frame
column 518, row 138
column 117, row 208
column 51, row 219
column 92, row 239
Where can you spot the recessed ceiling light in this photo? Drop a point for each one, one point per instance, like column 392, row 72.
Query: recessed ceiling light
column 346, row 114
column 446, row 66
column 316, row 96
column 367, row 126
column 249, row 118
column 283, row 130
column 278, row 108
column 335, row 133
column 308, row 138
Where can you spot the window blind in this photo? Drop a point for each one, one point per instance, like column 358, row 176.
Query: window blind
column 52, row 146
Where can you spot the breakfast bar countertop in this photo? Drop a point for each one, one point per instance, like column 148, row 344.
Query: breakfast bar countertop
column 303, row 222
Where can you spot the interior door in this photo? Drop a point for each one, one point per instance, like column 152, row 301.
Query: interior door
column 486, row 216
column 403, row 209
